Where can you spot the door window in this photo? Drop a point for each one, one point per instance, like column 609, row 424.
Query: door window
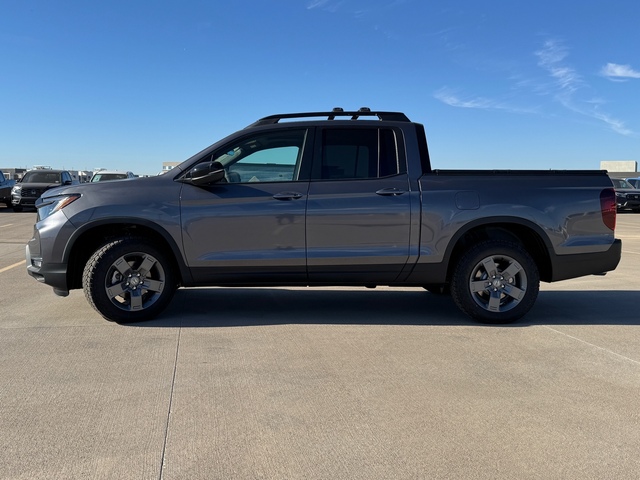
column 268, row 157
column 358, row 153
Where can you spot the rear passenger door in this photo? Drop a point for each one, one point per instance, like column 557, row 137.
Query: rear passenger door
column 358, row 206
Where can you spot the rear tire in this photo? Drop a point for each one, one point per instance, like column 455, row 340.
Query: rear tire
column 127, row 280
column 496, row 282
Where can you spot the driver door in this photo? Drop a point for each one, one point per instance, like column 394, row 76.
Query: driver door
column 250, row 227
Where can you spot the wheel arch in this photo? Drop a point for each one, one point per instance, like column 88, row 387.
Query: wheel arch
column 527, row 234
column 88, row 238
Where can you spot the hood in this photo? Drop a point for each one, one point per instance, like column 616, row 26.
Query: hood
column 119, row 187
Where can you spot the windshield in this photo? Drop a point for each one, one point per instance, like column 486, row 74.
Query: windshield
column 619, row 183
column 41, row 177
column 103, row 177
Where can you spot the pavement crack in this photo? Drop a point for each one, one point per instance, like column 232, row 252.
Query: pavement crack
column 594, row 346
column 173, row 383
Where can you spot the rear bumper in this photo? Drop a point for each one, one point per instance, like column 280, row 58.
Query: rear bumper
column 573, row 266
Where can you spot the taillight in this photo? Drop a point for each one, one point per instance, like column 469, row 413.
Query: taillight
column 608, row 207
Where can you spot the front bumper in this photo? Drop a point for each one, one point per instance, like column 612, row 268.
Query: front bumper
column 44, row 252
column 53, row 274
column 632, row 204
column 628, row 201
column 24, row 201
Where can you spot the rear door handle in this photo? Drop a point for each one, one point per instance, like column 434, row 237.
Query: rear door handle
column 390, row 192
column 288, row 196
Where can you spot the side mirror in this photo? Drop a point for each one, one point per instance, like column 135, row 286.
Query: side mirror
column 207, row 173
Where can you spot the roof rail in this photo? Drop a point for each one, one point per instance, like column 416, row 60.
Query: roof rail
column 336, row 112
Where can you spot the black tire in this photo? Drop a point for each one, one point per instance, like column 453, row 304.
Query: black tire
column 128, row 280
column 17, row 208
column 496, row 281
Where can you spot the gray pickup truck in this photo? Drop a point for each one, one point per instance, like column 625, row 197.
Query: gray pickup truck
column 322, row 200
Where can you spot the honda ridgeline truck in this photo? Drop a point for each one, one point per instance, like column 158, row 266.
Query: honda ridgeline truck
column 325, row 199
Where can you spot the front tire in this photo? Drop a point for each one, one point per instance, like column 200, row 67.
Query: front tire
column 496, row 282
column 127, row 280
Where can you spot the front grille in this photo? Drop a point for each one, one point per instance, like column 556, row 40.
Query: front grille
column 33, row 192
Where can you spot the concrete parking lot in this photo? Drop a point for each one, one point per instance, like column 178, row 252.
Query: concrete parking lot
column 330, row 383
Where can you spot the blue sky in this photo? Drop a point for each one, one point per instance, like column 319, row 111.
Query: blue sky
column 498, row 84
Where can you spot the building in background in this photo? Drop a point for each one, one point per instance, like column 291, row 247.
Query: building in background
column 620, row 168
column 166, row 166
column 82, row 176
column 13, row 173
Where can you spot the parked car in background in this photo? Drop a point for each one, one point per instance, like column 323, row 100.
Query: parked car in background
column 34, row 183
column 108, row 175
column 627, row 197
column 5, row 189
column 635, row 182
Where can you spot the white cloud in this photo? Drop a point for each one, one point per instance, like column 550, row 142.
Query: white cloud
column 448, row 97
column 616, row 125
column 619, row 73
column 566, row 86
column 550, row 58
column 316, row 4
column 568, row 82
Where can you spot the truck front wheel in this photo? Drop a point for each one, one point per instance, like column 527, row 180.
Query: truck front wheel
column 495, row 281
column 128, row 280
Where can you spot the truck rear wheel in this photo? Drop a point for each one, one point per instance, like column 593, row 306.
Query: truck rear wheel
column 496, row 281
column 128, row 280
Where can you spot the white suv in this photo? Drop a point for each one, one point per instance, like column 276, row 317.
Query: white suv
column 107, row 175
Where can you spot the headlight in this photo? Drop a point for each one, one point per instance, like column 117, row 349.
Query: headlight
column 50, row 205
column 15, row 190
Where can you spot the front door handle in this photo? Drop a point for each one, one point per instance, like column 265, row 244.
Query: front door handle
column 287, row 196
column 387, row 192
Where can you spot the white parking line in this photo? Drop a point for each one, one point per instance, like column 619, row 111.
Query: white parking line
column 11, row 266
column 7, row 225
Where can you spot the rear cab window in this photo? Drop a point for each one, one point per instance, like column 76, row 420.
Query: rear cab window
column 358, row 153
